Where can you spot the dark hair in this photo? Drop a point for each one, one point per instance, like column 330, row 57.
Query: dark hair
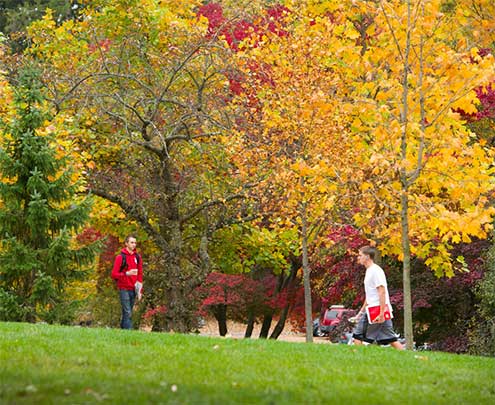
column 369, row 251
column 129, row 237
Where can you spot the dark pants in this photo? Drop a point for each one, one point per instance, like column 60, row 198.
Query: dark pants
column 381, row 333
column 127, row 298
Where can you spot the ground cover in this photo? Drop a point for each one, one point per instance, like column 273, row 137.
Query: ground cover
column 43, row 364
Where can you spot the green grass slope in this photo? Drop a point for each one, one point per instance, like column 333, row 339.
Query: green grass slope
column 42, row 364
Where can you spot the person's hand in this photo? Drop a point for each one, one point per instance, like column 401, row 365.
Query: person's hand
column 132, row 272
column 356, row 318
column 379, row 319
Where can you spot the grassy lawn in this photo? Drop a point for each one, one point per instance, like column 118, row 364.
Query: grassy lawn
column 42, row 364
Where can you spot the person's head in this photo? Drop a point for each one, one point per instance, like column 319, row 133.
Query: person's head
column 130, row 243
column 367, row 255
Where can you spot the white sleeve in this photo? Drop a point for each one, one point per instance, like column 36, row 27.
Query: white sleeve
column 378, row 278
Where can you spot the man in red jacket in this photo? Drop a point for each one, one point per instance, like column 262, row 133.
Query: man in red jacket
column 129, row 277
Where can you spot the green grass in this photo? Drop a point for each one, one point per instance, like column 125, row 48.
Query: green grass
column 42, row 364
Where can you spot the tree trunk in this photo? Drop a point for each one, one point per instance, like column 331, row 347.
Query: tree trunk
column 265, row 327
column 180, row 316
column 279, row 327
column 406, row 273
column 308, row 306
column 250, row 326
column 406, row 247
column 220, row 314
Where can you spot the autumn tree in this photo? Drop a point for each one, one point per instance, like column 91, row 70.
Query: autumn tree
column 338, row 278
column 430, row 179
column 149, row 85
column 40, row 210
column 475, row 18
column 236, row 294
column 295, row 136
column 264, row 252
column 260, row 262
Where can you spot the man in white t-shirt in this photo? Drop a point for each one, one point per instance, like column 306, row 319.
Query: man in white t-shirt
column 375, row 287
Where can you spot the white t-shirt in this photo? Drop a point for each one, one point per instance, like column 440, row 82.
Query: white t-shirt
column 374, row 278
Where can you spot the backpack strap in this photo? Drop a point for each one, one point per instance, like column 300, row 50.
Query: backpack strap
column 123, row 265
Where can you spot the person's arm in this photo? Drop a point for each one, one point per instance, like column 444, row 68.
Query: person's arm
column 140, row 270
column 381, row 294
column 139, row 283
column 360, row 313
column 116, row 273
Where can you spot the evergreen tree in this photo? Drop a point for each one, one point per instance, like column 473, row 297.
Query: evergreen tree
column 17, row 15
column 39, row 213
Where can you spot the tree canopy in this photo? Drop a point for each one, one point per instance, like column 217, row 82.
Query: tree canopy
column 238, row 136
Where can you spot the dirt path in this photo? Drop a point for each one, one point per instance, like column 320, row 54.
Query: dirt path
column 236, row 331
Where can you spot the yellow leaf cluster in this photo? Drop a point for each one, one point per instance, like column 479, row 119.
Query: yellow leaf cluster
column 6, row 97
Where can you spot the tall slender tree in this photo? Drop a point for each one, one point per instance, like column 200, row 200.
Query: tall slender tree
column 429, row 179
column 296, row 139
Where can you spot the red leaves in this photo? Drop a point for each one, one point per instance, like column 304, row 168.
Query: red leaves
column 241, row 293
column 337, row 274
column 236, row 31
column 89, row 235
column 487, row 101
column 226, row 289
column 275, row 16
column 214, row 13
column 103, row 45
column 150, row 313
column 349, row 236
column 486, row 96
column 486, row 109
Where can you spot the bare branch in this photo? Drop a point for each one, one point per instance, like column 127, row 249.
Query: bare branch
column 212, row 203
column 134, row 211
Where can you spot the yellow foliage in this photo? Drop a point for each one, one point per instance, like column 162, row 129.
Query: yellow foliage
column 6, row 97
column 429, row 148
column 336, row 126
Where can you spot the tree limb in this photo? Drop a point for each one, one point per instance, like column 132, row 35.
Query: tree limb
column 134, row 212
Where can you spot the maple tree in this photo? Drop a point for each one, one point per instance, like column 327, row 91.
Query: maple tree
column 261, row 250
column 476, row 19
column 262, row 258
column 238, row 293
column 429, row 185
column 295, row 136
column 404, row 133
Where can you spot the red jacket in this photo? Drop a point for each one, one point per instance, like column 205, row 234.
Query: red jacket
column 127, row 282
